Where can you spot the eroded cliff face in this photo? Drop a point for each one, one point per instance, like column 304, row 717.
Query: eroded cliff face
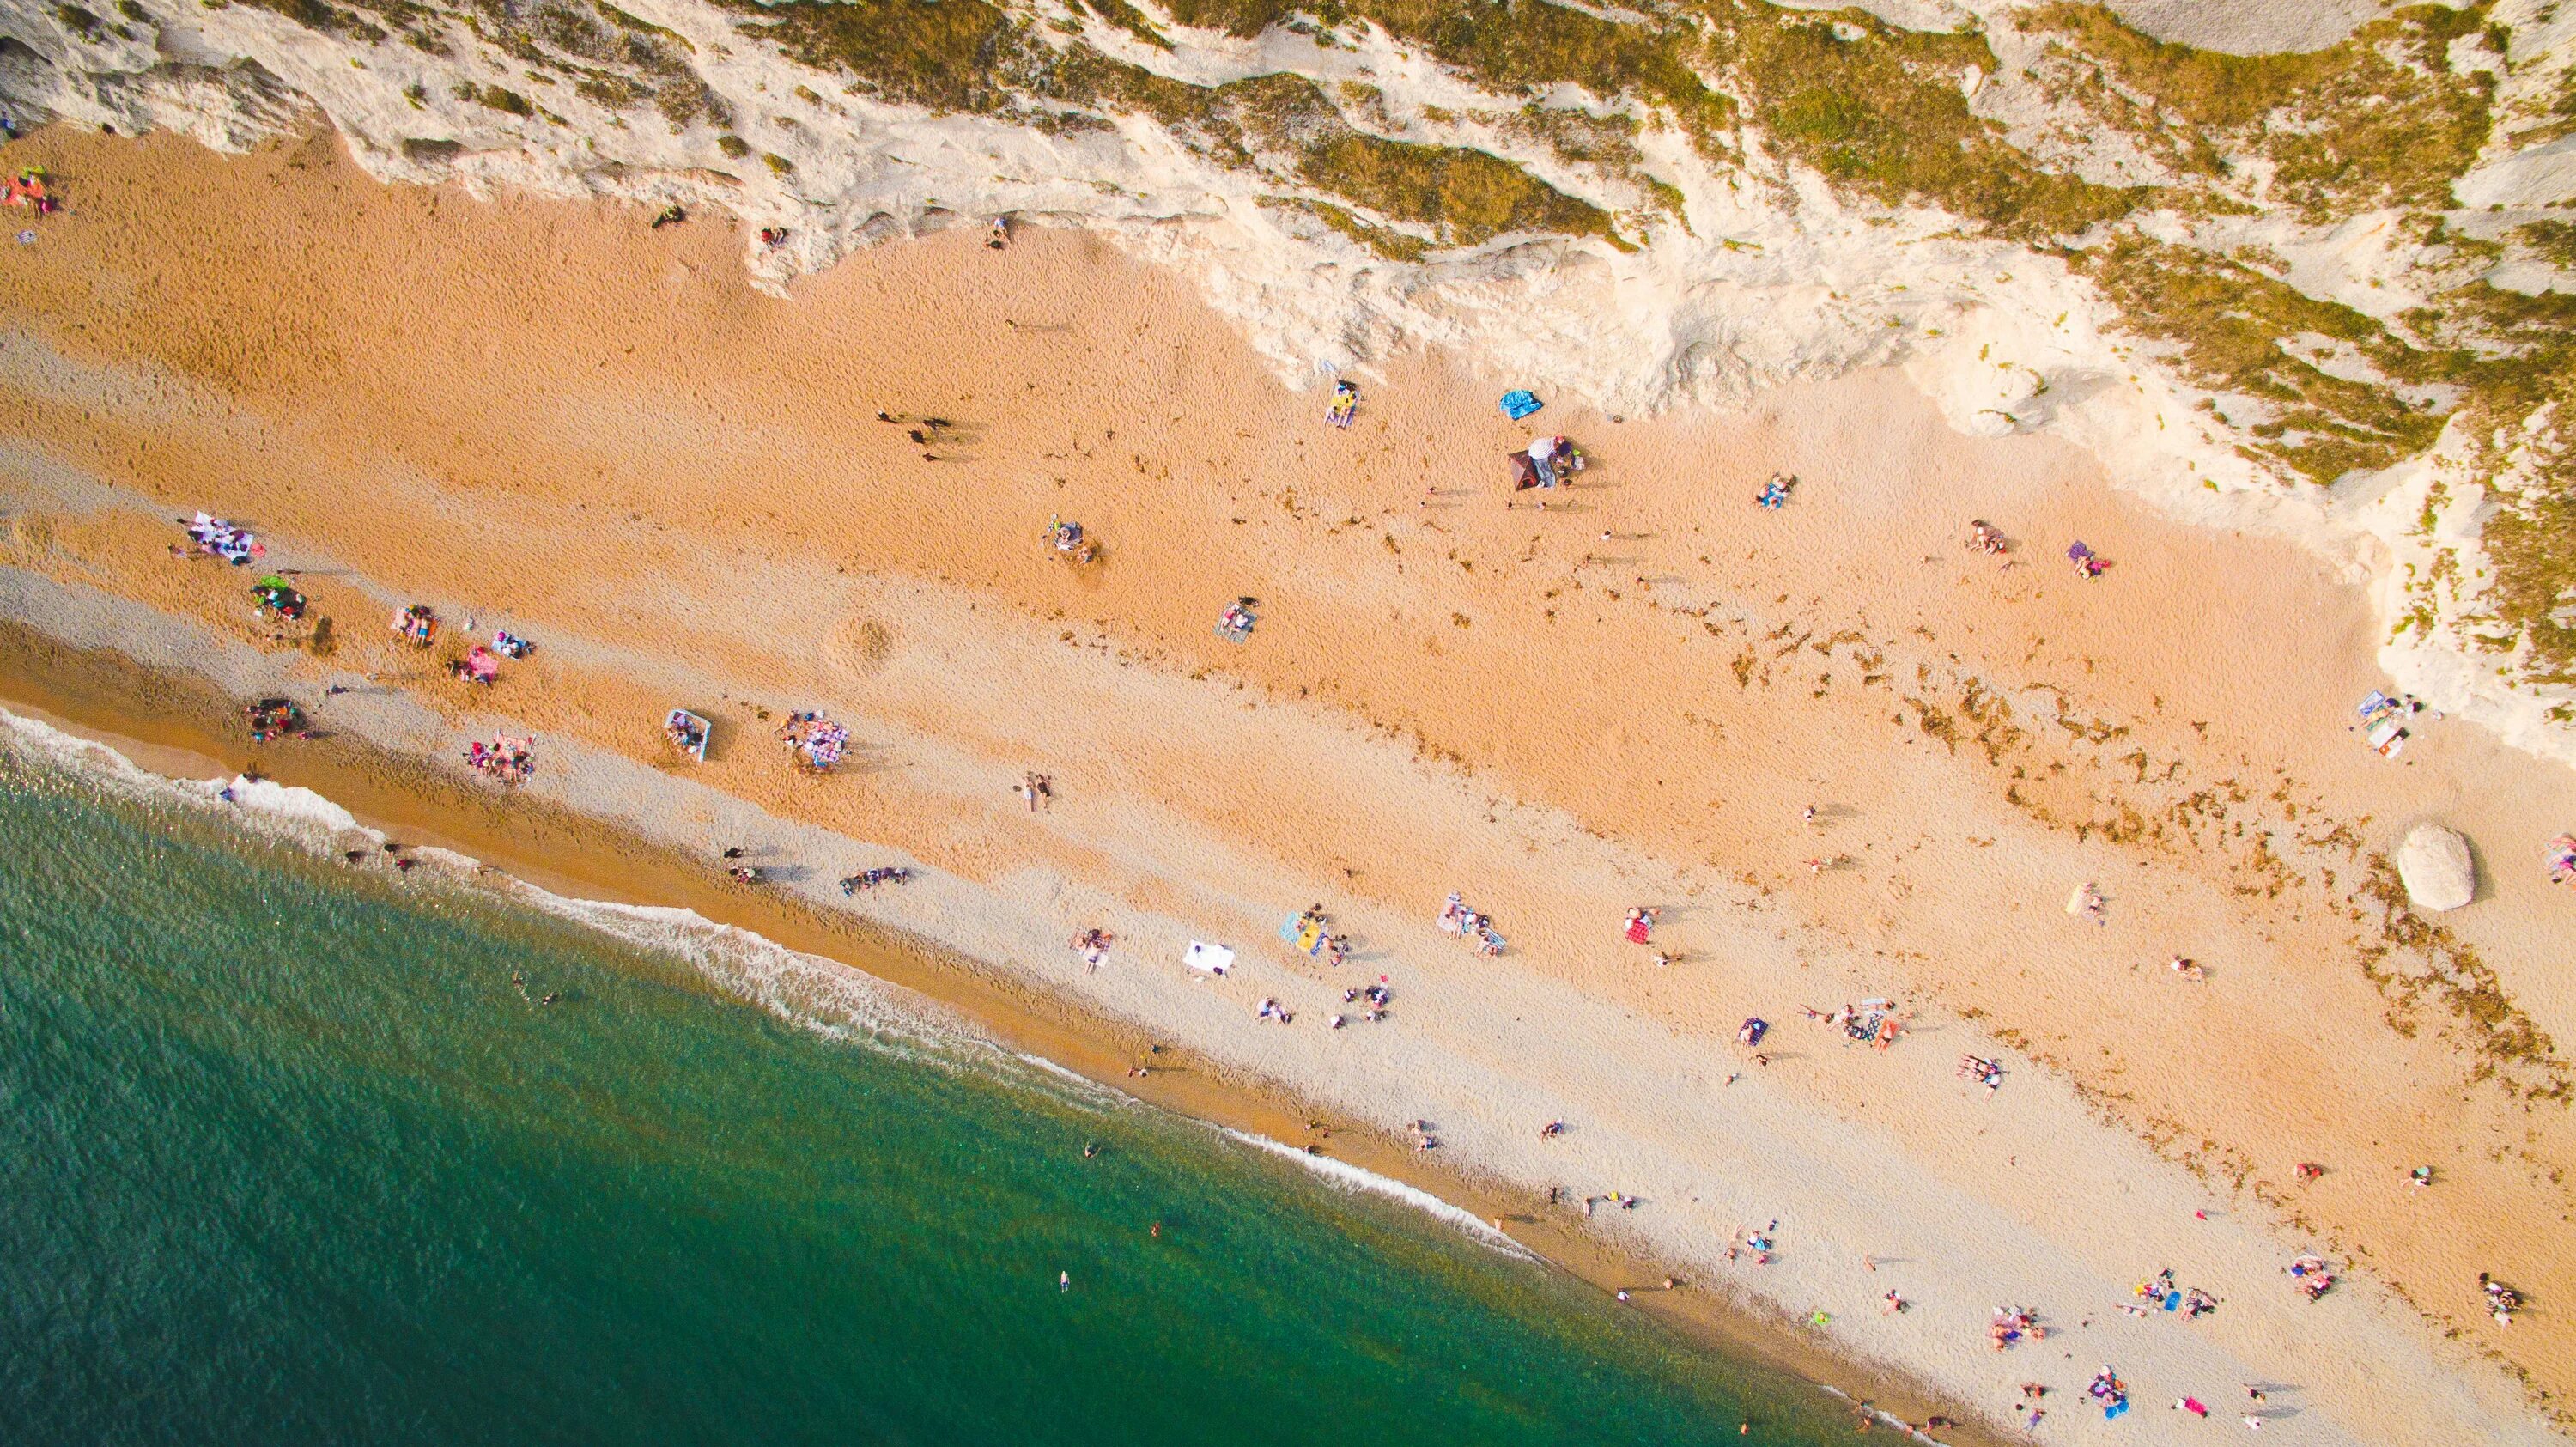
column 2321, row 289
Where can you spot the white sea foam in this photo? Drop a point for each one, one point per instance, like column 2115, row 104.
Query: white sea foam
column 285, row 802
column 818, row 994
column 1342, row 1175
column 809, row 991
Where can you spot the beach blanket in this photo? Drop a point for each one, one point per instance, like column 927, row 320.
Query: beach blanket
column 688, row 731
column 1519, row 403
column 1214, row 959
column 2387, row 737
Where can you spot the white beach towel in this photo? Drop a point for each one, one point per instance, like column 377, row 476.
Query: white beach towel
column 1215, row 959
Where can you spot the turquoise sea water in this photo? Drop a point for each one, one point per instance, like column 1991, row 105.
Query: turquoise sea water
column 285, row 1158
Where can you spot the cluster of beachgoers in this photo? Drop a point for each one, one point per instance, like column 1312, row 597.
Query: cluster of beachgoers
column 946, row 669
column 816, row 745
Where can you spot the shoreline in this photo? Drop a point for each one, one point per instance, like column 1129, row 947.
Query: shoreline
column 98, row 696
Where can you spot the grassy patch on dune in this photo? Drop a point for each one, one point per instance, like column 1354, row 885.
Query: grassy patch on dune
column 1286, row 124
column 1521, row 47
column 1526, row 45
column 1881, row 111
column 1471, row 196
column 2226, row 326
column 327, row 18
column 2379, row 119
column 1385, row 241
column 1609, row 142
column 1126, row 17
column 947, row 56
column 2521, row 416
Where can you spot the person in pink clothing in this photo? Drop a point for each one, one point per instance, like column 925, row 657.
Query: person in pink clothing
column 1641, row 926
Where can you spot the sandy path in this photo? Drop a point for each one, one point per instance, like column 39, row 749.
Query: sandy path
column 684, row 485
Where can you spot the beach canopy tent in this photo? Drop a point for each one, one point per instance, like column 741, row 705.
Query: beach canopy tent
column 1214, row 959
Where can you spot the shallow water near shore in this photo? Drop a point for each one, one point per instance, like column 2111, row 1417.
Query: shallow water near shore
column 285, row 1156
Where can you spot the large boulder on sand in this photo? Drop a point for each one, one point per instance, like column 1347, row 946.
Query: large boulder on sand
column 2434, row 863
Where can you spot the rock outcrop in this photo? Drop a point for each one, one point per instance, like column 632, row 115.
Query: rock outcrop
column 2434, row 864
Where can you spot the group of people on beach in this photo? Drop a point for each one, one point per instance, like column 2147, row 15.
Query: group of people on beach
column 212, row 537
column 813, row 741
column 1093, row 945
column 33, row 189
column 512, row 761
column 1872, row 1022
column 2158, row 1293
column 1310, row 932
column 1372, row 1001
column 1473, row 926
column 2502, row 1300
column 2313, row 1278
column 276, row 717
column 416, row 624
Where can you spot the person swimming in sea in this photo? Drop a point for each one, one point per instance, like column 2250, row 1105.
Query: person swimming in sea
column 1090, row 1149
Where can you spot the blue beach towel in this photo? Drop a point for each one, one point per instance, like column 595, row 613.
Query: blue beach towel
column 2116, row 1409
column 2173, row 1299
column 1520, row 403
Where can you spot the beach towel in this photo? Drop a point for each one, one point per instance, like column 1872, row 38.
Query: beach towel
column 1214, row 959
column 1640, row 930
column 1519, row 403
column 1311, row 934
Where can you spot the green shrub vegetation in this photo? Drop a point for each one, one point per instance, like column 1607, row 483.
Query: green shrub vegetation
column 2377, row 120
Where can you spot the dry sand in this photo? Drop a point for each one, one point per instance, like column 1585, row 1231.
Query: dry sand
column 545, row 415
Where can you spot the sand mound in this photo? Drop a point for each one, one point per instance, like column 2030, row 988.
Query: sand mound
column 857, row 647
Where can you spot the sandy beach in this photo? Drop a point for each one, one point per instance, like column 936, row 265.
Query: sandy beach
column 544, row 416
